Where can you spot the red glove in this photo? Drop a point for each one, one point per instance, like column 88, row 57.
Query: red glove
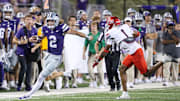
column 96, row 63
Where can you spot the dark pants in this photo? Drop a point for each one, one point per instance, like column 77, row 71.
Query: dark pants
column 25, row 68
column 1, row 73
column 112, row 61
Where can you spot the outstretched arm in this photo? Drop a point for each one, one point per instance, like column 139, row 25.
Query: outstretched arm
column 103, row 54
column 71, row 31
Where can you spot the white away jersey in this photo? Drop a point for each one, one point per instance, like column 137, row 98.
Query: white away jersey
column 119, row 35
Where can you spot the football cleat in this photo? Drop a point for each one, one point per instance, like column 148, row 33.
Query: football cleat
column 24, row 97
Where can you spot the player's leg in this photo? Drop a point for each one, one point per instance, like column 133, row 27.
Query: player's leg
column 153, row 69
column 165, row 59
column 123, row 68
column 52, row 62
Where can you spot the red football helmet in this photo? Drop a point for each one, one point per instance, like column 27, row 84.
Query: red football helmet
column 113, row 21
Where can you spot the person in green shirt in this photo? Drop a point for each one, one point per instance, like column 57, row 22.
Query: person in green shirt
column 93, row 55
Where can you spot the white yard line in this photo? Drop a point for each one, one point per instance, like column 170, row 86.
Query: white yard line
column 72, row 91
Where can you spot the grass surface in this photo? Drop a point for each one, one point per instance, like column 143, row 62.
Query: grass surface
column 165, row 94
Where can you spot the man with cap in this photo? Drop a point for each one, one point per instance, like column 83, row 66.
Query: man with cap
column 170, row 40
column 150, row 35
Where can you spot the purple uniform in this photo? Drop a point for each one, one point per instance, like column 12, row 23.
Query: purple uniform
column 102, row 24
column 82, row 24
column 55, row 38
column 21, row 33
column 142, row 31
column 10, row 25
column 16, row 20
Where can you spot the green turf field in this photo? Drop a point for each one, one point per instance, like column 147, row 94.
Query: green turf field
column 165, row 94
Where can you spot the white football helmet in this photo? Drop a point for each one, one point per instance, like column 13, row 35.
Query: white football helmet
column 106, row 12
column 20, row 15
column 167, row 17
column 138, row 19
column 8, row 8
column 158, row 19
column 80, row 13
column 52, row 16
column 131, row 12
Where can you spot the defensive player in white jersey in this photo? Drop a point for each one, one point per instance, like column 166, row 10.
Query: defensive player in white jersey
column 55, row 35
column 125, row 36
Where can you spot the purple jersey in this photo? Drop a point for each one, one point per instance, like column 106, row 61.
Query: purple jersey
column 10, row 26
column 55, row 38
column 16, row 20
column 102, row 24
column 21, row 33
column 142, row 31
column 82, row 24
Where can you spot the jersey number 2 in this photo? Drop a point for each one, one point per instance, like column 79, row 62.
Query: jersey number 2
column 53, row 41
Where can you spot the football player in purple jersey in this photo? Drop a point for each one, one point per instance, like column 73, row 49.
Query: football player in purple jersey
column 55, row 35
column 7, row 30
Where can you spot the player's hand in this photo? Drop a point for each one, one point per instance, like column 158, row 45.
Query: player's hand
column 96, row 62
column 97, row 56
column 33, row 39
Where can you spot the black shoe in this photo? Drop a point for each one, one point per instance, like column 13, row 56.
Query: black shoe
column 148, row 74
column 112, row 89
column 118, row 88
column 28, row 88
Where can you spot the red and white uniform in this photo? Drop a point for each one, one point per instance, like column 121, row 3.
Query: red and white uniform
column 111, row 22
column 132, row 48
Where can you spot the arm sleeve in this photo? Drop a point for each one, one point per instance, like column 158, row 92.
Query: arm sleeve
column 65, row 28
column 101, row 37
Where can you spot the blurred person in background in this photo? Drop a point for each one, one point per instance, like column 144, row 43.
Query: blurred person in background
column 150, row 36
column 105, row 15
column 131, row 12
column 25, row 38
column 8, row 27
column 167, row 16
column 20, row 16
column 138, row 24
column 82, row 22
column 92, row 56
column 83, row 26
column 177, row 28
column 72, row 60
column 170, row 39
column 158, row 46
